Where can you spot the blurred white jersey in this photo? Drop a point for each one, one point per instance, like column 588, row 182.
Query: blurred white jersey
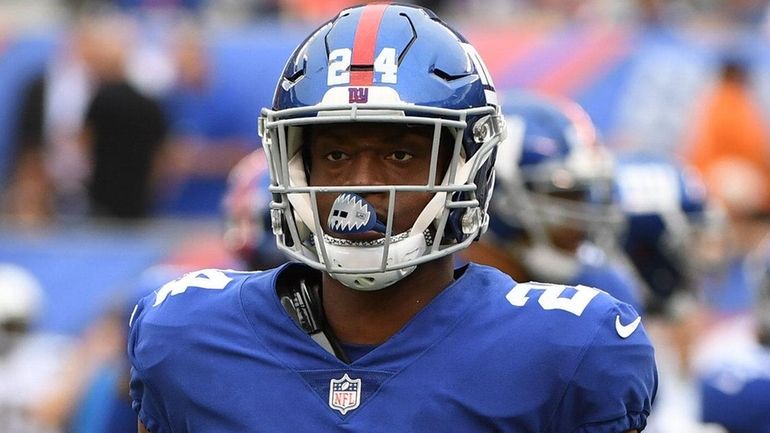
column 26, row 374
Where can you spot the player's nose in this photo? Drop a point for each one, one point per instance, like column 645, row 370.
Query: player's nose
column 367, row 169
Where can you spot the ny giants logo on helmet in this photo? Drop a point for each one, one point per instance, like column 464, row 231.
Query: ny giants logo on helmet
column 358, row 95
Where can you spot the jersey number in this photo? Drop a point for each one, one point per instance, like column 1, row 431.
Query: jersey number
column 212, row 279
column 339, row 66
column 551, row 298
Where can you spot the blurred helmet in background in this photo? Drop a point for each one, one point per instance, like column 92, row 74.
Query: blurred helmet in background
column 248, row 230
column 673, row 229
column 553, row 179
column 21, row 299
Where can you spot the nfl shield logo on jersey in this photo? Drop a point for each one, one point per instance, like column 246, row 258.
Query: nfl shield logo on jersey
column 344, row 394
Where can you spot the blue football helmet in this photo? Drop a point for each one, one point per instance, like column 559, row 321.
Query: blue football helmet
column 246, row 206
column 668, row 213
column 378, row 63
column 552, row 174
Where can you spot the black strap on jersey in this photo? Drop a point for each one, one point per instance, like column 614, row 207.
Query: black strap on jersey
column 299, row 289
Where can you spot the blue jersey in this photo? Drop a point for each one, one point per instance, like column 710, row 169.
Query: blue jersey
column 736, row 394
column 216, row 351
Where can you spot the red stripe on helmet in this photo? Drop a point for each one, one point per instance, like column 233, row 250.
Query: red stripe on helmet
column 364, row 43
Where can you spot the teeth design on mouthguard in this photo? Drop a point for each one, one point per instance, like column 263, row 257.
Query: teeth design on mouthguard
column 351, row 213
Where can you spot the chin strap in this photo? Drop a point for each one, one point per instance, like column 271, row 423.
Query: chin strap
column 304, row 306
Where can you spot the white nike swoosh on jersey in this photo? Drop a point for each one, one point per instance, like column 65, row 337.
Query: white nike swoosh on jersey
column 625, row 331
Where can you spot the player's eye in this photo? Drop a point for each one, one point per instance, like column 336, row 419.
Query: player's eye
column 336, row 155
column 400, row 155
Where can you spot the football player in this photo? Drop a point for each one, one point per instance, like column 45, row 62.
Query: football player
column 381, row 142
column 30, row 359
column 670, row 226
column 735, row 392
column 670, row 219
column 553, row 200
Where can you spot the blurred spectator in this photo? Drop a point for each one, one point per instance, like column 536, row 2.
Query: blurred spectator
column 29, row 360
column 30, row 190
column 50, row 167
column 85, row 133
column 731, row 143
column 731, row 149
column 204, row 137
column 124, row 131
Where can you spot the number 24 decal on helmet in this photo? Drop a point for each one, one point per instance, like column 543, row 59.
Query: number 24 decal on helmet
column 339, row 66
column 386, row 64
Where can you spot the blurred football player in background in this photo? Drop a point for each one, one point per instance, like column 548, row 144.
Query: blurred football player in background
column 553, row 200
column 90, row 395
column 669, row 216
column 668, row 238
column 248, row 228
column 735, row 392
column 29, row 360
column 381, row 144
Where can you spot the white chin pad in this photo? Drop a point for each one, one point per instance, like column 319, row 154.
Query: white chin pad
column 353, row 257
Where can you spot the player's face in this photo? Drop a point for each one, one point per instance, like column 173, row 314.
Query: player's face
column 567, row 235
column 374, row 154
